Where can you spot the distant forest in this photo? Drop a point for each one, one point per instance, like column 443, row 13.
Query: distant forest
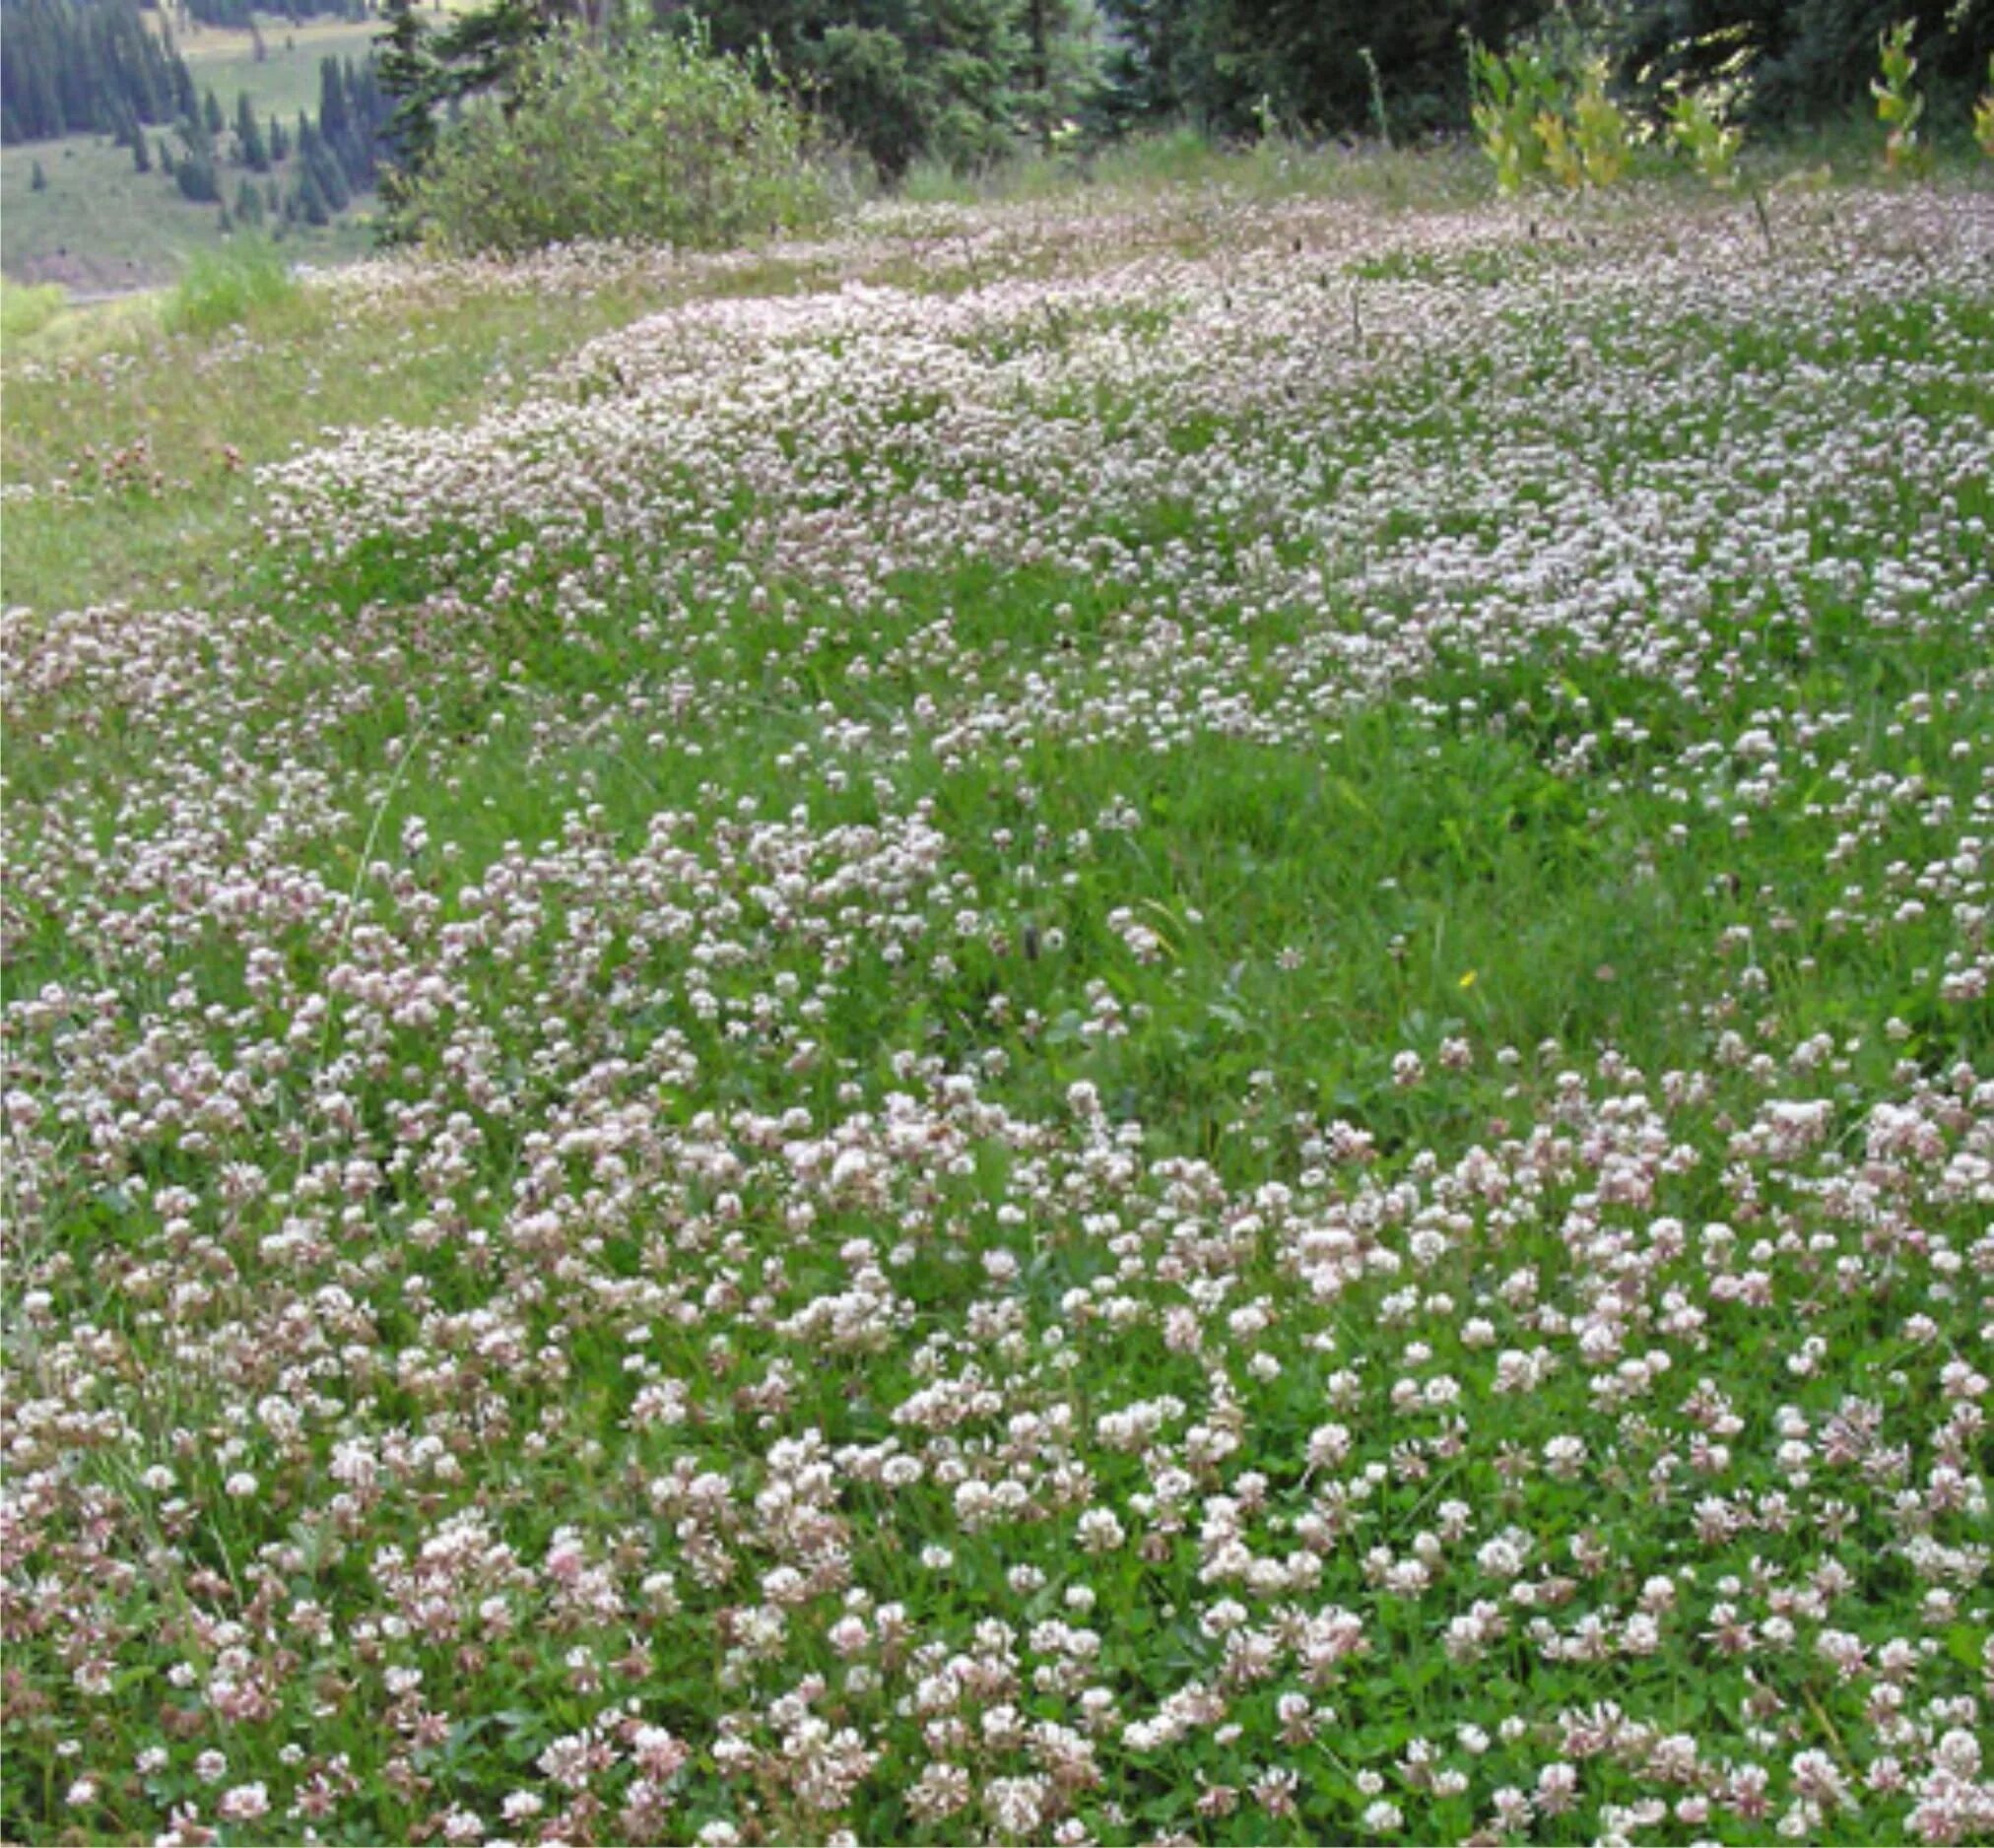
column 85, row 67
column 76, row 67
column 99, row 67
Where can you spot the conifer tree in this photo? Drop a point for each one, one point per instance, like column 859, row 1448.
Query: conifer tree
column 310, row 197
column 318, row 160
column 332, row 109
column 249, row 142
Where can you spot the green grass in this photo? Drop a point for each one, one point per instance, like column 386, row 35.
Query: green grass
column 102, row 227
column 230, row 394
column 25, row 311
column 1150, row 165
column 1488, row 987
column 247, row 279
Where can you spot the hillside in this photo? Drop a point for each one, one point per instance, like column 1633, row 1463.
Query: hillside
column 102, row 227
column 1166, row 1015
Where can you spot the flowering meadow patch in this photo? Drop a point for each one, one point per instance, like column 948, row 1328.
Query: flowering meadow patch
column 1166, row 1026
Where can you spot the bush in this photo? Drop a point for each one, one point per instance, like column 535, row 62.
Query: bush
column 222, row 287
column 661, row 141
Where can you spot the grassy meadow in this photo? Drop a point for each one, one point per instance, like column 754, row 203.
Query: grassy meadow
column 1148, row 1016
column 100, row 226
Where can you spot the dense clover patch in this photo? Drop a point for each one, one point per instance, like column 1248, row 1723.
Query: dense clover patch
column 1191, row 1042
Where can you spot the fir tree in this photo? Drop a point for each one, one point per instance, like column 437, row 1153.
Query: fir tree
column 332, row 109
column 318, row 159
column 407, row 74
column 37, row 180
column 249, row 142
column 311, row 201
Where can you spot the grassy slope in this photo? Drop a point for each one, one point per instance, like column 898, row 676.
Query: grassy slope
column 101, row 224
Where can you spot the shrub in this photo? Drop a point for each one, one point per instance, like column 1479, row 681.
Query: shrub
column 1699, row 129
column 660, row 141
column 1513, row 94
column 1537, row 115
column 222, row 287
column 1898, row 106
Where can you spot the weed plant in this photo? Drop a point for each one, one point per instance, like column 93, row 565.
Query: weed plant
column 244, row 280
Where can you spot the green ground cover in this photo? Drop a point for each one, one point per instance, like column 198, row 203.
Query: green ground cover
column 1151, row 1018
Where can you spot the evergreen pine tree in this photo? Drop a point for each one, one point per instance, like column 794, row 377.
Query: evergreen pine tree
column 211, row 113
column 311, row 202
column 407, row 75
column 249, row 142
column 316, row 157
column 332, row 109
column 37, row 180
column 142, row 158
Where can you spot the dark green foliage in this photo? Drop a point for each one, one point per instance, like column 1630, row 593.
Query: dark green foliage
column 311, row 203
column 332, row 111
column 251, row 146
column 1809, row 59
column 404, row 70
column 211, row 113
column 322, row 166
column 194, row 174
column 37, row 180
column 864, row 78
column 1235, row 64
column 83, row 65
column 961, row 80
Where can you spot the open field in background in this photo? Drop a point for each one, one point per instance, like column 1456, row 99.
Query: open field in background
column 102, row 225
column 1152, row 1016
column 286, row 81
